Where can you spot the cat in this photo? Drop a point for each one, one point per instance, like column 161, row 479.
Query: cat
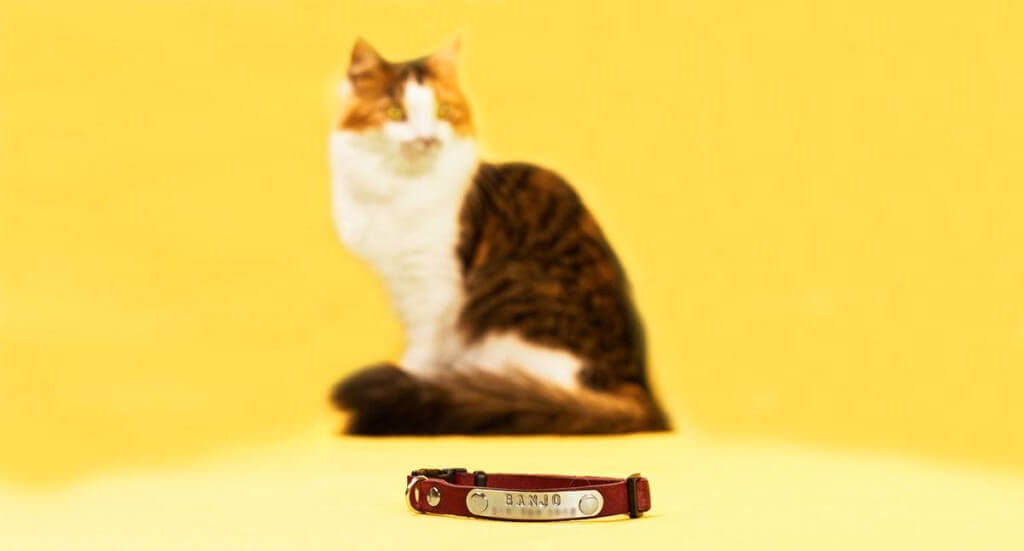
column 517, row 314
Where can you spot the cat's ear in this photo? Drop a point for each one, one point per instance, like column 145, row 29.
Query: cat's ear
column 366, row 67
column 364, row 58
column 445, row 59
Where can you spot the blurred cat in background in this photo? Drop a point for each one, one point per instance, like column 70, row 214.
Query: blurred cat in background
column 516, row 311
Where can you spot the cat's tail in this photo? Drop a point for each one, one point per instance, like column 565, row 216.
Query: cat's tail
column 385, row 399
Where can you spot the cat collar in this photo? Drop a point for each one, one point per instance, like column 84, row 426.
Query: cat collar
column 529, row 497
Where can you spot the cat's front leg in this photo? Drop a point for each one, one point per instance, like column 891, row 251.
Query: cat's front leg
column 422, row 351
column 429, row 348
column 418, row 359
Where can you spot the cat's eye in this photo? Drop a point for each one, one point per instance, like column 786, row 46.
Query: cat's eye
column 443, row 110
column 395, row 113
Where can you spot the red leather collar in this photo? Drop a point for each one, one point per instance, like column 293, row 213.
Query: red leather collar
column 528, row 497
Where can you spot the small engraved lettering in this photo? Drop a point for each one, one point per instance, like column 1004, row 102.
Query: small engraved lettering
column 540, row 505
column 532, row 503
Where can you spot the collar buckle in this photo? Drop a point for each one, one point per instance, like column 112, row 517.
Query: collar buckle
column 446, row 474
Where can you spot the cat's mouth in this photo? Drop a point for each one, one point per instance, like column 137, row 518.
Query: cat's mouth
column 420, row 148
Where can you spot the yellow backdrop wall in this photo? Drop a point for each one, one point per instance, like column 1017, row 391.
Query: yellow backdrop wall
column 819, row 204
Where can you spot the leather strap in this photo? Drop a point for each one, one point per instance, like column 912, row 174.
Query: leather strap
column 529, row 497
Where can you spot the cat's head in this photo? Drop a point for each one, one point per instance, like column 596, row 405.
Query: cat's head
column 414, row 106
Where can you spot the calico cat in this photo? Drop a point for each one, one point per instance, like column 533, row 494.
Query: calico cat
column 517, row 314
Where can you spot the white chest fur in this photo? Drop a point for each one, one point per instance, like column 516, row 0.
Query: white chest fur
column 404, row 221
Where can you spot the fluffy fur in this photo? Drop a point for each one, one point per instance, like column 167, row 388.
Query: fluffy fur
column 412, row 198
column 404, row 222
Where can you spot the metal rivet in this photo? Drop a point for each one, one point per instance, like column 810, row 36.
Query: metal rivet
column 433, row 496
column 477, row 503
column 588, row 505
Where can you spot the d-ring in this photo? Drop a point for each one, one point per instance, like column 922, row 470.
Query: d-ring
column 408, row 489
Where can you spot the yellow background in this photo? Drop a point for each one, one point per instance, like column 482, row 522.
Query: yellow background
column 819, row 204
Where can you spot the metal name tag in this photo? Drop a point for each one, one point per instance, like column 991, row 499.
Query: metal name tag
column 512, row 504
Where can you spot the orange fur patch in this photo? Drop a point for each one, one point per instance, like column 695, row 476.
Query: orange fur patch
column 378, row 84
